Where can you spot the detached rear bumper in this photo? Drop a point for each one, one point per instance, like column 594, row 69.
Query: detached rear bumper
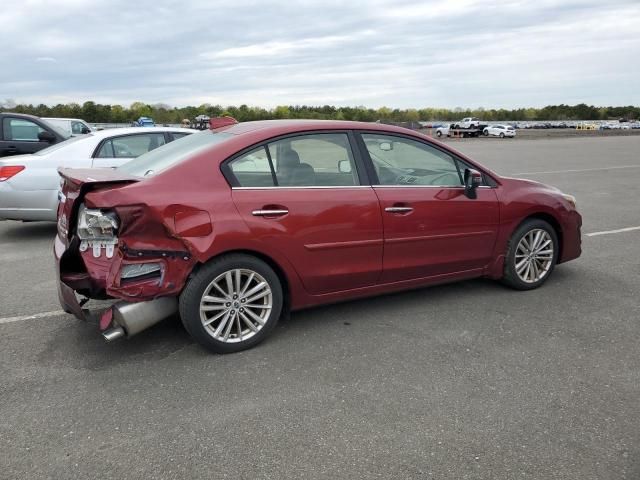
column 66, row 296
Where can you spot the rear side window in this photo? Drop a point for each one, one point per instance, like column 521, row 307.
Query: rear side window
column 252, row 169
column 130, row 146
column 322, row 159
column 20, row 130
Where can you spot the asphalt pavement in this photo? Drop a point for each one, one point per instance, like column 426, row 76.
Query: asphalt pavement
column 463, row 381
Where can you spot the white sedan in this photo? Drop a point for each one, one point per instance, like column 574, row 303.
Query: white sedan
column 499, row 131
column 29, row 184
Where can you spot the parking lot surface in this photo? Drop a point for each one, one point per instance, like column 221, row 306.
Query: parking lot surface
column 469, row 380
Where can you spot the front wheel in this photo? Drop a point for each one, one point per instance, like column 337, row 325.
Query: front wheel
column 232, row 303
column 501, row 134
column 486, row 133
column 438, row 133
column 531, row 255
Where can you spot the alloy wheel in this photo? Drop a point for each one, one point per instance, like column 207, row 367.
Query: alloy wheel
column 236, row 305
column 534, row 255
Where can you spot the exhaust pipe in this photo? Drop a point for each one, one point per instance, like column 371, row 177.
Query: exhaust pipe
column 113, row 333
column 131, row 318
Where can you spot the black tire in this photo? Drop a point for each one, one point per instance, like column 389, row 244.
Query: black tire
column 486, row 132
column 501, row 134
column 438, row 133
column 192, row 295
column 510, row 277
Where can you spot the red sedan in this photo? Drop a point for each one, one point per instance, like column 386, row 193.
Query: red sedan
column 233, row 226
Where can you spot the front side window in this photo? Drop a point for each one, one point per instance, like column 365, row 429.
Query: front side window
column 402, row 161
column 20, row 130
column 320, row 159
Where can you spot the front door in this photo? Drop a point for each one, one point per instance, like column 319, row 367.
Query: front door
column 301, row 196
column 20, row 136
column 430, row 227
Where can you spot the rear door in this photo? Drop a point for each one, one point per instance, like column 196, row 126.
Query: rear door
column 115, row 151
column 430, row 227
column 20, row 135
column 303, row 197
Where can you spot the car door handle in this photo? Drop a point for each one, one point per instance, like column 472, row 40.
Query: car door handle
column 270, row 212
column 398, row 209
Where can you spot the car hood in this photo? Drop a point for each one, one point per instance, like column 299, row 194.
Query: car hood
column 523, row 182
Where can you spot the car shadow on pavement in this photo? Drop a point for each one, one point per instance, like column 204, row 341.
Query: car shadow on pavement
column 392, row 304
column 79, row 344
column 13, row 230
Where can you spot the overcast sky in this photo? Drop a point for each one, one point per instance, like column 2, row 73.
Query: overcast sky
column 395, row 53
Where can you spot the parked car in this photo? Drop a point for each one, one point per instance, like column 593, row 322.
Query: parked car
column 29, row 184
column 499, row 131
column 443, row 130
column 144, row 122
column 73, row 126
column 267, row 217
column 27, row 134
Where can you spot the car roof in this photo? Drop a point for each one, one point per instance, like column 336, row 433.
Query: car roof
column 281, row 127
column 23, row 115
column 114, row 132
column 64, row 118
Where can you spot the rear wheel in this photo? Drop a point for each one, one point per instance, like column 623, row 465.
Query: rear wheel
column 438, row 133
column 232, row 303
column 531, row 255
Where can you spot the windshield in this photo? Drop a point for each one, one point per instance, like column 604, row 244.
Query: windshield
column 175, row 152
column 58, row 146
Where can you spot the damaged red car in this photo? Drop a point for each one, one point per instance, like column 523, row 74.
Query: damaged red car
column 233, row 226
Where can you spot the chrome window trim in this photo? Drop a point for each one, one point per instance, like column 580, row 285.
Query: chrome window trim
column 285, row 187
column 462, row 187
column 319, row 187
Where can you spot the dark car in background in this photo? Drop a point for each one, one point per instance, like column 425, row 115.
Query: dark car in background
column 27, row 134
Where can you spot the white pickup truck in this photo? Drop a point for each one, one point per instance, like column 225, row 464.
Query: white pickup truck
column 468, row 122
column 472, row 128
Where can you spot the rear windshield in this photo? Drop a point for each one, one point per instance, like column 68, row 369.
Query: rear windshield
column 61, row 131
column 155, row 161
column 58, row 146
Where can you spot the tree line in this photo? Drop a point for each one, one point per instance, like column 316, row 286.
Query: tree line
column 162, row 113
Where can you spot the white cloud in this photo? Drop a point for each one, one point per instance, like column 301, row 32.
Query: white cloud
column 399, row 53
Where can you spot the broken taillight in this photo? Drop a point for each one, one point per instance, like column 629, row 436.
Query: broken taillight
column 7, row 172
column 95, row 224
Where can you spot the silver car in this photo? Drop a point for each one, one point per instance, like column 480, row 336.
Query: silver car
column 29, row 184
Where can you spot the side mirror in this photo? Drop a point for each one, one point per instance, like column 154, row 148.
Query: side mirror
column 472, row 180
column 46, row 136
column 85, row 130
column 344, row 166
